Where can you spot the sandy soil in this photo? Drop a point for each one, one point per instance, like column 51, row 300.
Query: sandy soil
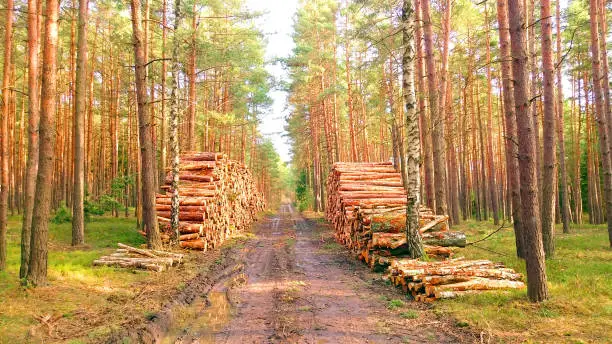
column 291, row 283
column 302, row 288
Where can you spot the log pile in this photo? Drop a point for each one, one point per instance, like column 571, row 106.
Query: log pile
column 366, row 205
column 217, row 198
column 131, row 257
column 367, row 201
column 428, row 281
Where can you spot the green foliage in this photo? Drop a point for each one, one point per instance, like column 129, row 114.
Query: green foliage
column 303, row 192
column 409, row 314
column 62, row 215
column 91, row 209
column 114, row 200
column 395, row 303
column 108, row 203
column 277, row 181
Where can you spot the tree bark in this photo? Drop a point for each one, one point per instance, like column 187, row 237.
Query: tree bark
column 191, row 72
column 4, row 131
column 537, row 289
column 37, row 271
column 446, row 103
column 349, row 97
column 484, row 183
column 424, row 118
column 174, row 144
column 491, row 157
column 437, row 116
column 533, row 90
column 605, row 69
column 563, row 191
column 413, row 149
column 164, row 70
column 512, row 171
column 548, row 170
column 149, row 217
column 78, row 197
column 600, row 114
column 577, row 194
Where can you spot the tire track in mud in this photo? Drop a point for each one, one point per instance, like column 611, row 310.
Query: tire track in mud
column 299, row 292
column 161, row 324
column 259, row 316
column 286, row 285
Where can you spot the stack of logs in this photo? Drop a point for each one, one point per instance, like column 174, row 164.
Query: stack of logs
column 131, row 257
column 217, row 198
column 428, row 281
column 366, row 204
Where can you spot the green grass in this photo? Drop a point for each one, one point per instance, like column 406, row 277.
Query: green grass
column 290, row 242
column 101, row 236
column 332, row 246
column 394, row 304
column 75, row 287
column 579, row 280
column 410, row 314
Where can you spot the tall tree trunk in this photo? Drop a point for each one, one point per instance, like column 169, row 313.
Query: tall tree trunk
column 174, row 143
column 491, row 157
column 592, row 190
column 395, row 132
column 600, row 114
column 446, row 100
column 395, row 142
column 164, row 71
column 577, row 159
column 149, row 217
column 335, row 125
column 475, row 170
column 533, row 82
column 452, row 160
column 191, row 72
column 548, row 171
column 413, row 151
column 424, row 118
column 4, row 131
column 349, row 96
column 605, row 70
column 537, row 289
column 437, row 116
column 37, row 271
column 464, row 166
column 78, row 189
column 512, row 169
column 90, row 115
column 483, row 190
column 563, row 192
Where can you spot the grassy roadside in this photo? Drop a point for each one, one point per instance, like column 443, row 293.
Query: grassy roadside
column 580, row 284
column 580, row 277
column 85, row 303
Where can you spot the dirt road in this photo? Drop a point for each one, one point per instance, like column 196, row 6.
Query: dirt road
column 300, row 287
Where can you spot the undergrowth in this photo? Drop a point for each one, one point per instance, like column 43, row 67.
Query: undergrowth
column 580, row 305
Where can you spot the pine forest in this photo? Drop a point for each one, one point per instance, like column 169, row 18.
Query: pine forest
column 283, row 171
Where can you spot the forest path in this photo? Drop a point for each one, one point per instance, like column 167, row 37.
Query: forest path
column 301, row 288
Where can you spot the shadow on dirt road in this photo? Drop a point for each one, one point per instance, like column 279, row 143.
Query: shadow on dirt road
column 291, row 283
column 303, row 288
